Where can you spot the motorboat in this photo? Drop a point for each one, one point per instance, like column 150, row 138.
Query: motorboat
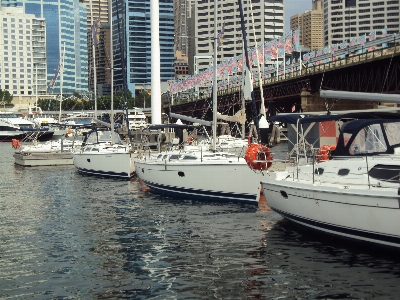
column 348, row 185
column 136, row 119
column 15, row 127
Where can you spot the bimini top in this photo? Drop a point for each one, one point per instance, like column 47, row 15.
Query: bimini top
column 309, row 118
column 368, row 137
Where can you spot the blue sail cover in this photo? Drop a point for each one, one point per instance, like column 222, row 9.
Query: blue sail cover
column 307, row 118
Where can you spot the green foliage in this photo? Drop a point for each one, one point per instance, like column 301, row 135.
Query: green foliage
column 5, row 97
column 76, row 102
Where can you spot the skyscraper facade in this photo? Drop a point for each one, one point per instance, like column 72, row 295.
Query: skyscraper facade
column 98, row 15
column 350, row 18
column 22, row 55
column 66, row 28
column 311, row 26
column 135, row 15
column 264, row 20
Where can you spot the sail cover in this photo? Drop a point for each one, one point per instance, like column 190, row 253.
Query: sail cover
column 239, row 117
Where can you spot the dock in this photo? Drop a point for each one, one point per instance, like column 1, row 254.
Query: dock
column 43, row 159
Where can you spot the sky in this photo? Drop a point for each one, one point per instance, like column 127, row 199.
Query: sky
column 293, row 7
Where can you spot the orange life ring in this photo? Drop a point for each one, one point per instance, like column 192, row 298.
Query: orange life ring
column 15, row 143
column 258, row 157
column 324, row 153
column 191, row 140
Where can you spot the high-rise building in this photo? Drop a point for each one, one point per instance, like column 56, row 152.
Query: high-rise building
column 98, row 16
column 311, row 26
column 264, row 20
column 66, row 28
column 22, row 55
column 135, row 27
column 350, row 18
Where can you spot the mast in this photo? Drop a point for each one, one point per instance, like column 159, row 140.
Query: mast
column 61, row 82
column 123, row 67
column 155, row 63
column 215, row 91
column 94, row 64
column 112, row 71
column 253, row 100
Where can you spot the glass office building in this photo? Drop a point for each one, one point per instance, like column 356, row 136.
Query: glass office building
column 136, row 15
column 66, row 28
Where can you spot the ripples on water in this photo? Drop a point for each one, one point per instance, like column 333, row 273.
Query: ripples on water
column 68, row 236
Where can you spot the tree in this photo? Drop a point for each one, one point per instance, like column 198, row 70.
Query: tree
column 5, row 97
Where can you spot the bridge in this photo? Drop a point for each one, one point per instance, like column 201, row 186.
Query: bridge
column 370, row 70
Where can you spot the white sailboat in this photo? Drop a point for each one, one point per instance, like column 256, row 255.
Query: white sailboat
column 351, row 188
column 103, row 153
column 198, row 172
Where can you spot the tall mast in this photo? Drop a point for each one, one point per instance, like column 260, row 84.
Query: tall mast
column 215, row 91
column 248, row 71
column 155, row 63
column 112, row 70
column 94, row 64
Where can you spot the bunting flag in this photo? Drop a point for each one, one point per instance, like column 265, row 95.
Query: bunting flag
column 96, row 32
column 352, row 42
column 54, row 79
column 326, row 50
column 281, row 46
column 296, row 40
column 362, row 39
column 384, row 32
column 288, row 43
column 372, row 35
column 221, row 36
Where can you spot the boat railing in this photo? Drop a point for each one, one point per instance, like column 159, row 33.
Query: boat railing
column 314, row 174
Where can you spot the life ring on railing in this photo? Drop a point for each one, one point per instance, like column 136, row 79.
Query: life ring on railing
column 324, row 153
column 191, row 140
column 258, row 157
column 15, row 143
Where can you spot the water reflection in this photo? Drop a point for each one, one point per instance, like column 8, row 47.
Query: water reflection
column 68, row 236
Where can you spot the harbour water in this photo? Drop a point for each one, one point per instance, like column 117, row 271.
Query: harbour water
column 66, row 236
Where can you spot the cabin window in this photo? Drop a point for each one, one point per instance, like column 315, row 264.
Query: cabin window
column 390, row 173
column 319, row 171
column 368, row 140
column 174, row 157
column 187, row 157
column 343, row 172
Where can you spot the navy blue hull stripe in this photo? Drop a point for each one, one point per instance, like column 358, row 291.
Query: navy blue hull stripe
column 201, row 194
column 357, row 234
column 104, row 174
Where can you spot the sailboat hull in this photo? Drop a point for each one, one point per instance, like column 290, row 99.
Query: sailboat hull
column 113, row 165
column 210, row 182
column 368, row 215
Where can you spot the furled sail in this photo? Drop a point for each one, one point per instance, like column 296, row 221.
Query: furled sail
column 239, row 117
